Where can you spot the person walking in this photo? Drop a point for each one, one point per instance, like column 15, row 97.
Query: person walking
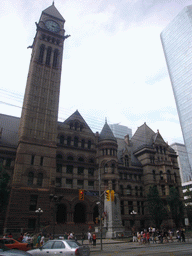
column 82, row 237
column 89, row 236
column 94, row 239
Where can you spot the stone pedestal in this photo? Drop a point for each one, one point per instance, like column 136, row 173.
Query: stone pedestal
column 113, row 222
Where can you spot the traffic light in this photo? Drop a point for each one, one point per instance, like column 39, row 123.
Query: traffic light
column 81, row 194
column 112, row 195
column 107, row 193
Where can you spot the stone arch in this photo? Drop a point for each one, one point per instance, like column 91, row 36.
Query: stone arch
column 61, row 214
column 80, row 213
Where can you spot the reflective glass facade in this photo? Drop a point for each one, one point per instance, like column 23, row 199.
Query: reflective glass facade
column 184, row 167
column 177, row 44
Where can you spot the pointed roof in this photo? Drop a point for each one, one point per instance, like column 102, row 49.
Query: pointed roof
column 77, row 116
column 106, row 133
column 52, row 11
column 144, row 136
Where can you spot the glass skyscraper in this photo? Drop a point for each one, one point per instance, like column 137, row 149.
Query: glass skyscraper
column 177, row 44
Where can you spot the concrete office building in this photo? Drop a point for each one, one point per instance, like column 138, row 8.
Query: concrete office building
column 177, row 44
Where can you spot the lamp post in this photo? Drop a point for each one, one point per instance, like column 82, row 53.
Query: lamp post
column 133, row 213
column 39, row 212
column 55, row 200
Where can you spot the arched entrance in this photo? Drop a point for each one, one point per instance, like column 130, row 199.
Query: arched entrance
column 80, row 213
column 61, row 215
column 95, row 214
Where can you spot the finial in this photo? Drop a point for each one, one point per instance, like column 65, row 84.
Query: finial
column 53, row 3
column 105, row 119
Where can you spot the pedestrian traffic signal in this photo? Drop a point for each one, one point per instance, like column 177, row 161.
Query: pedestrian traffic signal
column 81, row 194
column 107, row 193
column 112, row 195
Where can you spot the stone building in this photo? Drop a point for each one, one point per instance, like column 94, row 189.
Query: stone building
column 49, row 161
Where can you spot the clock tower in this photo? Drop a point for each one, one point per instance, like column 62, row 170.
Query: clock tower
column 35, row 164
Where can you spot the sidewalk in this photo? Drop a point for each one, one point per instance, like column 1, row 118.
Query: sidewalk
column 107, row 242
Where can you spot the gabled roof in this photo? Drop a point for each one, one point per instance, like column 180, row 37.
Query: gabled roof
column 158, row 139
column 76, row 116
column 144, row 136
column 52, row 11
column 106, row 133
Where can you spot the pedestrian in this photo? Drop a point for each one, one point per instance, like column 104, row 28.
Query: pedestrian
column 183, row 235
column 20, row 239
column 66, row 236
column 139, row 237
column 82, row 237
column 42, row 240
column 38, row 240
column 94, row 239
column 89, row 236
column 148, row 237
column 134, row 237
column 10, row 235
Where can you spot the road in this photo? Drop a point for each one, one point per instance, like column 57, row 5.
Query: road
column 133, row 249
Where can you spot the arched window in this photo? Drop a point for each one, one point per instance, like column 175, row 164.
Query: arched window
column 81, row 159
column 168, row 175
column 30, row 178
column 121, row 189
column 61, row 139
column 136, row 191
column 68, row 141
column 76, row 140
column 70, row 158
column 59, row 156
column 83, row 143
column 154, row 175
column 71, row 125
column 55, row 58
column 161, row 175
column 40, row 179
column 126, row 159
column 129, row 190
column 76, row 126
column 89, row 144
column 106, row 168
column 113, row 168
column 41, row 53
column 48, row 57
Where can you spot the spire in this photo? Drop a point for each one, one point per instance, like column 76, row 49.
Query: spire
column 106, row 133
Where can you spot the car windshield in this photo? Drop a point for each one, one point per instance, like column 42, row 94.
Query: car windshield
column 72, row 244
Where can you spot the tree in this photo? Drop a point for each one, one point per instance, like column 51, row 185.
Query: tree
column 188, row 203
column 176, row 206
column 156, row 206
column 4, row 191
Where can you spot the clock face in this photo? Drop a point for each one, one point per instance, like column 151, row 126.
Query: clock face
column 52, row 26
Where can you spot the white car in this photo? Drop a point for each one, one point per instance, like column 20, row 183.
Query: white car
column 61, row 247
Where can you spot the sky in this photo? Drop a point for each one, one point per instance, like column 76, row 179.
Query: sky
column 113, row 63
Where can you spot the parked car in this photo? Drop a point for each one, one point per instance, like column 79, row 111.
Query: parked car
column 14, row 244
column 5, row 251
column 61, row 247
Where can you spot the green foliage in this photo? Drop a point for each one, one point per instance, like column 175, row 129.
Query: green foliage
column 156, row 206
column 4, row 191
column 176, row 206
column 188, row 204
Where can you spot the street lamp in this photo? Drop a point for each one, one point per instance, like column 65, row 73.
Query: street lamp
column 39, row 212
column 56, row 200
column 133, row 213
